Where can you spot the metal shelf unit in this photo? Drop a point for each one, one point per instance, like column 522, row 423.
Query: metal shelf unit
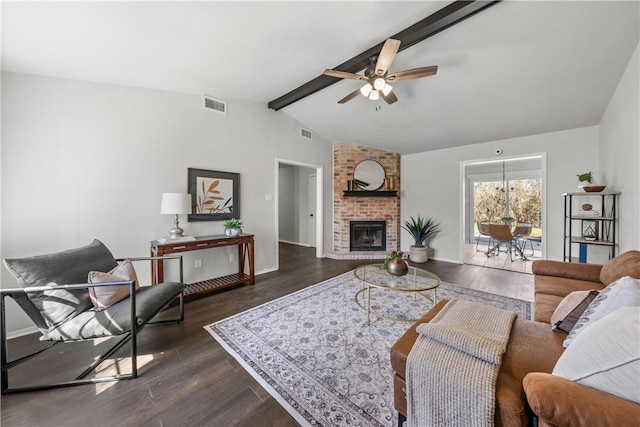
column 603, row 225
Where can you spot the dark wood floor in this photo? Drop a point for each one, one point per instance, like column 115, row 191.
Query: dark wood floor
column 186, row 377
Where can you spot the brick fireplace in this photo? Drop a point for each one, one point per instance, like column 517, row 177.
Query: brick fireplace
column 367, row 235
column 367, row 207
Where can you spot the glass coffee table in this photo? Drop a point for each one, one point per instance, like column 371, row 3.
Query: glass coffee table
column 416, row 281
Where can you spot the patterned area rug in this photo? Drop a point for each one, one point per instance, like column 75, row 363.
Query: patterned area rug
column 313, row 351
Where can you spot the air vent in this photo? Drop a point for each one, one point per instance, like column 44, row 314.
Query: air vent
column 215, row 104
column 306, row 133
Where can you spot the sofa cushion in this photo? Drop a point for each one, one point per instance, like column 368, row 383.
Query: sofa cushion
column 626, row 264
column 569, row 270
column 533, row 346
column 105, row 296
column 570, row 310
column 624, row 292
column 50, row 308
column 605, row 356
column 561, row 286
column 544, row 307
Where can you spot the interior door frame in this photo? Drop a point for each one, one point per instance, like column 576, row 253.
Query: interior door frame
column 319, row 203
column 312, row 213
column 464, row 220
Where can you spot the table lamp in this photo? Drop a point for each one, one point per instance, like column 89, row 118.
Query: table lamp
column 175, row 204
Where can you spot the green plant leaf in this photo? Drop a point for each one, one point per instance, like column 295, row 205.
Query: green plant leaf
column 421, row 229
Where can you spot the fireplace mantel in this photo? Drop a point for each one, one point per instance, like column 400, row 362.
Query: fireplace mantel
column 362, row 193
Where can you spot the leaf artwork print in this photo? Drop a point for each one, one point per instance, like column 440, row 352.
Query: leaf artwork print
column 214, row 195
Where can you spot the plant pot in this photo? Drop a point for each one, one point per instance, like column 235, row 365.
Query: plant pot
column 232, row 232
column 419, row 255
column 397, row 268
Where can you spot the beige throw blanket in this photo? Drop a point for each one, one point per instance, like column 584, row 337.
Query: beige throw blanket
column 453, row 366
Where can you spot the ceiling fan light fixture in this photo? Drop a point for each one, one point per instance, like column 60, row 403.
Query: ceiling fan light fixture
column 378, row 83
column 386, row 90
column 366, row 89
column 374, row 95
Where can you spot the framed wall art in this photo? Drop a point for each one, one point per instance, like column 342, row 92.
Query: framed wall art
column 215, row 195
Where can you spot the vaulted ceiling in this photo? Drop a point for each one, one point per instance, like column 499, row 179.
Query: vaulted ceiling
column 517, row 68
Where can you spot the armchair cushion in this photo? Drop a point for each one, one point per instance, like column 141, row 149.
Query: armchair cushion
column 105, row 296
column 49, row 309
column 116, row 319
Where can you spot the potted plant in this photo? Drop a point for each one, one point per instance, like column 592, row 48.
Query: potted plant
column 395, row 264
column 421, row 229
column 232, row 227
column 588, row 178
column 508, row 220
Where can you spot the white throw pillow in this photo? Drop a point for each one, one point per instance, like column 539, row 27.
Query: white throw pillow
column 606, row 356
column 624, row 292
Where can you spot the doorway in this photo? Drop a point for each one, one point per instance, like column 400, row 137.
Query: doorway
column 299, row 204
column 509, row 190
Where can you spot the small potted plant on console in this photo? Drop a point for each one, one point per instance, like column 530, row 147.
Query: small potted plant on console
column 232, row 227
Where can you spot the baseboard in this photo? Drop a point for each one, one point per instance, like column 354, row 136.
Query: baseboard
column 266, row 270
column 295, row 243
column 22, row 332
column 453, row 261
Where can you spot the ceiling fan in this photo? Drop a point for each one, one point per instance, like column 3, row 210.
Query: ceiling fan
column 376, row 76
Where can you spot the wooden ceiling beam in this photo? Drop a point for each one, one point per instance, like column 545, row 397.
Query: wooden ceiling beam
column 446, row 17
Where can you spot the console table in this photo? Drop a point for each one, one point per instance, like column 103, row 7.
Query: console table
column 245, row 253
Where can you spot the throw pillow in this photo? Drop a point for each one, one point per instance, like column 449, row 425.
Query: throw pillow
column 105, row 296
column 605, row 356
column 570, row 309
column 624, row 292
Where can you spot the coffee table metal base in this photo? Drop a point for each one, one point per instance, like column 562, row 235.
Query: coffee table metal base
column 367, row 289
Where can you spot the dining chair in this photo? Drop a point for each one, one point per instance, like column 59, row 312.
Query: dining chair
column 502, row 235
column 483, row 229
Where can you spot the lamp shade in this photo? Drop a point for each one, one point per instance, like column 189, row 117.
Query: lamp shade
column 175, row 203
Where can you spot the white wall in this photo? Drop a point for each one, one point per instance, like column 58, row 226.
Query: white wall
column 286, row 200
column 82, row 160
column 431, row 183
column 620, row 152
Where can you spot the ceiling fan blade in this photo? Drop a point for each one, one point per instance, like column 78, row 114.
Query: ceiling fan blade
column 387, row 55
column 414, row 73
column 390, row 99
column 350, row 96
column 343, row 75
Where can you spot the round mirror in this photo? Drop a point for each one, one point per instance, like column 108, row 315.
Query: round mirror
column 369, row 175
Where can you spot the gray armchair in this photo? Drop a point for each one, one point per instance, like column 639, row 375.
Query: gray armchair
column 55, row 295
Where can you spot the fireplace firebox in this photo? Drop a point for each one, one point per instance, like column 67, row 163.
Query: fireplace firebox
column 368, row 235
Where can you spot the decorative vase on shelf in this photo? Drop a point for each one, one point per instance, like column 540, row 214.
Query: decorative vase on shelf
column 397, row 267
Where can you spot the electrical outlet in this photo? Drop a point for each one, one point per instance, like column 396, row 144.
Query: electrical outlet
column 232, row 257
column 198, row 262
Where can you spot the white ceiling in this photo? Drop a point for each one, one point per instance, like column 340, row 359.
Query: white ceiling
column 516, row 68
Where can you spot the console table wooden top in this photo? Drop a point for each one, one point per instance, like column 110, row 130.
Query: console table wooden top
column 245, row 245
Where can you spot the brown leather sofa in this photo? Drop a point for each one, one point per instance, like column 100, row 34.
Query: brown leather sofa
column 532, row 353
